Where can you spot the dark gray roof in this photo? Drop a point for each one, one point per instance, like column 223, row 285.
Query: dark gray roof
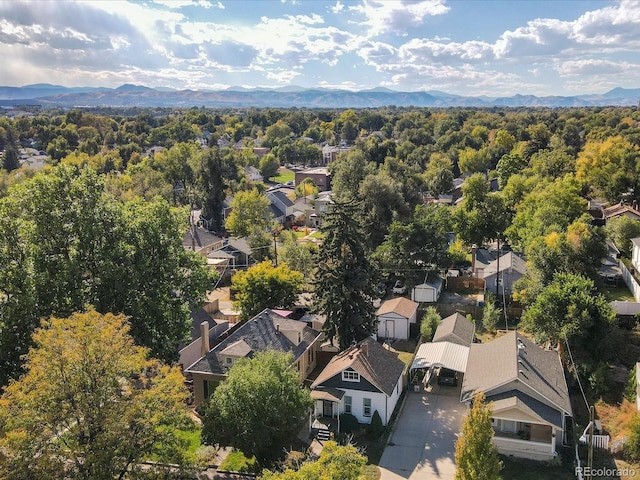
column 500, row 362
column 201, row 238
column 280, row 195
column 625, row 308
column 259, row 334
column 455, row 329
column 275, row 211
column 516, row 398
column 379, row 366
column 485, row 256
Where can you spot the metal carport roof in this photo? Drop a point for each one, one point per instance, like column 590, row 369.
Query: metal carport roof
column 441, row 354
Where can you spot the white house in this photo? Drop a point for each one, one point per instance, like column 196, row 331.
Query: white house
column 360, row 380
column 526, row 387
column 253, row 174
column 395, row 316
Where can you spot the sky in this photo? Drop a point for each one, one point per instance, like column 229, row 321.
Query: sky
column 464, row 47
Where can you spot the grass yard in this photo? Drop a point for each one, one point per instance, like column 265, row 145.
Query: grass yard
column 193, row 437
column 284, row 175
column 405, row 350
column 620, row 293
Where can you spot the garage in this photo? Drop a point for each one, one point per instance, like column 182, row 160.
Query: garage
column 438, row 355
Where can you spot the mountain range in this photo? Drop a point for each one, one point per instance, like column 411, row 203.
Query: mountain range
column 51, row 96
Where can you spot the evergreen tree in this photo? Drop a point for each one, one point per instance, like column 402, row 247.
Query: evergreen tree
column 345, row 276
column 476, row 456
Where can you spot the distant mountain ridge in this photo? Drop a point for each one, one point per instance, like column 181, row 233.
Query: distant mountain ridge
column 128, row 95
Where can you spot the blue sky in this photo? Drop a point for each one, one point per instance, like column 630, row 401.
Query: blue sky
column 466, row 47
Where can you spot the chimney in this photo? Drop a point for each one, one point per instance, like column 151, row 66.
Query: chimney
column 277, row 328
column 474, row 247
column 364, row 347
column 204, row 338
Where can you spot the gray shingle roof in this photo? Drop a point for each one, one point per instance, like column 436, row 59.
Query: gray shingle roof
column 625, row 308
column 379, row 366
column 522, row 401
column 455, row 329
column 507, row 261
column 258, row 334
column 499, row 362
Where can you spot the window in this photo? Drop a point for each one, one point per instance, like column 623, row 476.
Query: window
column 347, row 404
column 367, row 407
column 350, row 376
column 228, row 360
column 310, row 356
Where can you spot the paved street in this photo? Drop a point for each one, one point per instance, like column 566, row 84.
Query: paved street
column 421, row 446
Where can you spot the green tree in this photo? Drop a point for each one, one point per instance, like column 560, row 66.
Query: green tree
column 336, row 462
column 348, row 172
column 269, row 166
column 66, row 244
column 11, row 161
column 490, row 316
column 299, row 256
column 87, row 387
column 507, row 166
column 571, row 308
column 632, row 446
column 476, row 456
column 214, row 178
column 265, row 286
column 259, row 408
column 249, row 212
column 429, row 323
column 345, row 276
column 621, row 230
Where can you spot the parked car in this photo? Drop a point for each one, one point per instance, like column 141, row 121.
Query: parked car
column 447, row 377
column 399, row 288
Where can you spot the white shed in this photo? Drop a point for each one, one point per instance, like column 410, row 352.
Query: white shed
column 427, row 292
column 395, row 317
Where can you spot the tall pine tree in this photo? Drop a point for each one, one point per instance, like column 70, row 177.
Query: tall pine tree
column 476, row 457
column 345, row 277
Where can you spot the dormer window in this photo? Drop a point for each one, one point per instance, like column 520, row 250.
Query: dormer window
column 350, row 376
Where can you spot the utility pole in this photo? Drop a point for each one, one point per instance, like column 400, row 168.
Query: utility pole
column 275, row 246
column 592, row 415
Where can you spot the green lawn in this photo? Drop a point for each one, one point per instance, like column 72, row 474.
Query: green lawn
column 193, row 437
column 620, row 293
column 285, row 175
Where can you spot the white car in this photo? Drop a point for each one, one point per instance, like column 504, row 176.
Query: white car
column 399, row 288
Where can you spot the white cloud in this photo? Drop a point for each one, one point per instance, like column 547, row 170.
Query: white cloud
column 383, row 16
column 338, row 7
column 589, row 67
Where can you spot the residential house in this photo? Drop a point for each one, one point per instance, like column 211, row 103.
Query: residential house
column 265, row 331
column 202, row 323
column 253, row 174
column 635, row 253
column 480, row 259
column 610, row 271
column 503, row 272
column 527, row 390
column 199, row 239
column 320, row 176
column 233, row 253
column 620, row 210
column 627, row 313
column 360, row 380
column 395, row 316
column 322, row 204
column 330, row 153
column 281, row 207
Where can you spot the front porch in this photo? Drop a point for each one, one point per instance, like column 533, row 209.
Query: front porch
column 525, row 440
column 324, row 418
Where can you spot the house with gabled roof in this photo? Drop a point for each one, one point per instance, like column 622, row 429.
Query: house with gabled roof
column 395, row 316
column 265, row 331
column 505, row 270
column 526, row 387
column 360, row 380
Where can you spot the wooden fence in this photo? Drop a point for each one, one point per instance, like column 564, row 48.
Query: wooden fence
column 472, row 283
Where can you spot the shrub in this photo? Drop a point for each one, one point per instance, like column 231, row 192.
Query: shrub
column 632, row 447
column 376, row 428
column 237, row 462
column 430, row 322
column 630, row 388
column 348, row 423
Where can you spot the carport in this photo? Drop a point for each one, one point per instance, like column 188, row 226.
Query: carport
column 440, row 354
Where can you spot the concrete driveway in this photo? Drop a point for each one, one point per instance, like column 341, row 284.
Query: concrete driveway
column 422, row 445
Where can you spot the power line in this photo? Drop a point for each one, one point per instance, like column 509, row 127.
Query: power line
column 566, row 341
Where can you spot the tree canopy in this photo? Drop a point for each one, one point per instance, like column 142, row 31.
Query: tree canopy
column 65, row 244
column 265, row 286
column 258, row 408
column 476, row 456
column 91, row 405
column 345, row 277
